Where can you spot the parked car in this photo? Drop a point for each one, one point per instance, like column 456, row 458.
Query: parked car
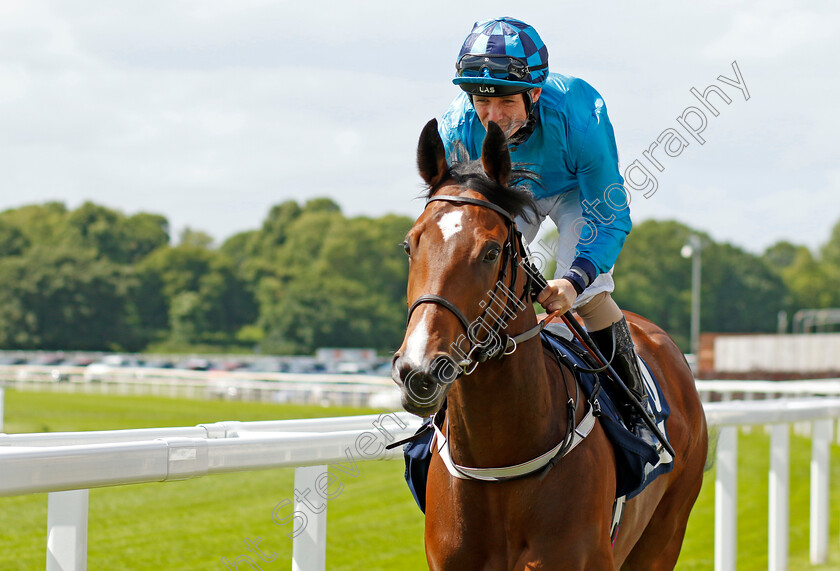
column 194, row 364
column 96, row 372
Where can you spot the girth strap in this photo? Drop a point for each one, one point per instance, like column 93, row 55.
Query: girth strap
column 580, row 432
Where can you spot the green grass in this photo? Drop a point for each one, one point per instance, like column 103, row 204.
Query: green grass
column 372, row 525
column 192, row 524
column 753, row 469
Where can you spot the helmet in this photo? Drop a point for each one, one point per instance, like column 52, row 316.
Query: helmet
column 500, row 57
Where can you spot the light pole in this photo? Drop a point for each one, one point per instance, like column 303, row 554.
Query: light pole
column 691, row 249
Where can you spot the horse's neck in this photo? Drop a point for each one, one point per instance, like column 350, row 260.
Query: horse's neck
column 507, row 412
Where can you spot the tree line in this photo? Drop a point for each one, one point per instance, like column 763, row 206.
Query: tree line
column 740, row 292
column 94, row 278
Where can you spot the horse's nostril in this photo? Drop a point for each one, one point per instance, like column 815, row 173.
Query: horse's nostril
column 400, row 369
column 420, row 385
column 444, row 369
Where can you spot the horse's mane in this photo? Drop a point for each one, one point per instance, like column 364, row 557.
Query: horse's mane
column 515, row 199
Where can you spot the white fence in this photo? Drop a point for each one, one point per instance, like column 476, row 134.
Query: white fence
column 822, row 413
column 322, row 388
column 67, row 464
column 767, row 389
column 802, row 354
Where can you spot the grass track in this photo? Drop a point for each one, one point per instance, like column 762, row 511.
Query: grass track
column 372, row 525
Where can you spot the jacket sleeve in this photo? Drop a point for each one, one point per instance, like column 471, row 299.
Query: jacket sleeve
column 604, row 202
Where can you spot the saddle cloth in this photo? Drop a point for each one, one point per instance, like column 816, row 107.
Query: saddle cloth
column 638, row 462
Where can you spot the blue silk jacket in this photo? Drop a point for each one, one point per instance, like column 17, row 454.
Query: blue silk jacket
column 572, row 146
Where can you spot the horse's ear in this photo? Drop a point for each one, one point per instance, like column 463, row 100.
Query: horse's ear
column 495, row 157
column 431, row 155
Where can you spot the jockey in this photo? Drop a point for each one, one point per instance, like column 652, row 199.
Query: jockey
column 557, row 126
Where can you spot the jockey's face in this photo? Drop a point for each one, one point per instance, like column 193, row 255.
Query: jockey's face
column 507, row 111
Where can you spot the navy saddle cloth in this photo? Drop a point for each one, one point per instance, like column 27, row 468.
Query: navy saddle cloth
column 638, row 462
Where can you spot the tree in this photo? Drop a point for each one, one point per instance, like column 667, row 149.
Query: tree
column 811, row 282
column 308, row 277
column 41, row 224
column 64, row 299
column 13, row 242
column 105, row 232
column 142, row 234
column 830, row 252
column 329, row 280
column 653, row 280
column 195, row 291
column 743, row 294
column 780, row 255
column 740, row 292
column 195, row 238
column 239, row 247
column 812, row 285
column 276, row 225
column 96, row 228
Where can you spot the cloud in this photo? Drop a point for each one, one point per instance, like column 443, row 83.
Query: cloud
column 770, row 30
column 210, row 112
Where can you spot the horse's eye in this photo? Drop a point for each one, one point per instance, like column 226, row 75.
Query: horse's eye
column 407, row 248
column 492, row 255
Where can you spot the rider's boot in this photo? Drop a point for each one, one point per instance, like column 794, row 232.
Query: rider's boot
column 626, row 364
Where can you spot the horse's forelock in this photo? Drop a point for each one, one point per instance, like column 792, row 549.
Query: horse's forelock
column 515, row 199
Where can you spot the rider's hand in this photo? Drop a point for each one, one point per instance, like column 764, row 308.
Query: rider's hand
column 560, row 294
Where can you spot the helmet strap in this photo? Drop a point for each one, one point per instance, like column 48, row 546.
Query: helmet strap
column 524, row 132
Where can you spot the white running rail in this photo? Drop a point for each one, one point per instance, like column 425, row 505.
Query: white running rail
column 67, row 464
column 822, row 412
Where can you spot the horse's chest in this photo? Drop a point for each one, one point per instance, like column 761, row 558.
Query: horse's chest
column 556, row 523
column 487, row 533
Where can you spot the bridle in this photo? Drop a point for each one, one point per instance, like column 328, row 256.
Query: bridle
column 497, row 344
column 513, row 250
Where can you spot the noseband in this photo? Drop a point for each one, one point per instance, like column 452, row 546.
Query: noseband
column 534, row 282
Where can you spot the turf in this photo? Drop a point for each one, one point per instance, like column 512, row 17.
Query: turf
column 373, row 524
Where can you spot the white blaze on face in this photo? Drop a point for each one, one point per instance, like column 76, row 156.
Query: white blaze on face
column 450, row 224
column 415, row 347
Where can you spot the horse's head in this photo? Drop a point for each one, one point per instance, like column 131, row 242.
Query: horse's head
column 466, row 279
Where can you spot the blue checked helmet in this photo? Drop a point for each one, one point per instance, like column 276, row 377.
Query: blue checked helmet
column 501, row 57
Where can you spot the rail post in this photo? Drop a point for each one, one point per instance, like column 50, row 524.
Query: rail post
column 309, row 547
column 726, row 499
column 779, row 487
column 821, row 439
column 67, row 530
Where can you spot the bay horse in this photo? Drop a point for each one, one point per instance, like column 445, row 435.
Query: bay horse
column 507, row 406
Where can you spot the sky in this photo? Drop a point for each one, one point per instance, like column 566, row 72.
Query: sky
column 209, row 112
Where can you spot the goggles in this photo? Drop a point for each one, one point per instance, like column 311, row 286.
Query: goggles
column 498, row 67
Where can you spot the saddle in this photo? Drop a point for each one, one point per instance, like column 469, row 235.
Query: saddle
column 638, row 462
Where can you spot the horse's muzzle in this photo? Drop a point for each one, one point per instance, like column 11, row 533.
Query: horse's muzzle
column 424, row 386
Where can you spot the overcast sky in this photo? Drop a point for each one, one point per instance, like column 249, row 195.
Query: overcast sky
column 209, row 112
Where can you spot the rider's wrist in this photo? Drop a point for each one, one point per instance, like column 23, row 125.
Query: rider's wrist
column 581, row 274
column 576, row 282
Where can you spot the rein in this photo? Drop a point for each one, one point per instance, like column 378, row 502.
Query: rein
column 482, row 351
